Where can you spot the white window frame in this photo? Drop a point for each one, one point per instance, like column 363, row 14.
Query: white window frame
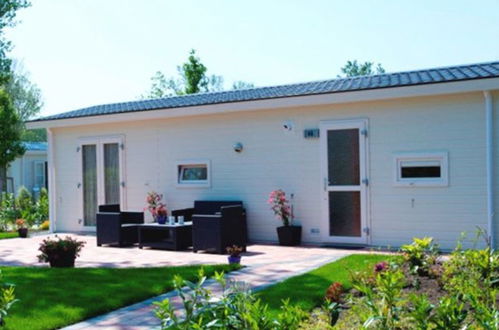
column 192, row 183
column 442, row 157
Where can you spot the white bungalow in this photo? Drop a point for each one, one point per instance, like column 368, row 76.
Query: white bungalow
column 372, row 160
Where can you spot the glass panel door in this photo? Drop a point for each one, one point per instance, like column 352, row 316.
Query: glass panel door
column 89, row 183
column 111, row 173
column 343, row 147
column 101, row 177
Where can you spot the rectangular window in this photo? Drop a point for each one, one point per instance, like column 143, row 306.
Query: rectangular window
column 193, row 173
column 421, row 169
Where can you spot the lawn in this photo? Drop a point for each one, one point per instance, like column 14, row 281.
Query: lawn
column 8, row 234
column 52, row 298
column 307, row 290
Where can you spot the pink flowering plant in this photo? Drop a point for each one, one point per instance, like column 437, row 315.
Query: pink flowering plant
column 155, row 206
column 280, row 205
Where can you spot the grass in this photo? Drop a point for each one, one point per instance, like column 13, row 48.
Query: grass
column 8, row 234
column 307, row 290
column 52, row 298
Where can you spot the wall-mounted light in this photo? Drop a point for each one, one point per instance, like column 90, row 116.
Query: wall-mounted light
column 288, row 125
column 238, row 147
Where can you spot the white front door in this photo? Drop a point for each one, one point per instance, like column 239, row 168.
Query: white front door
column 345, row 182
column 101, row 176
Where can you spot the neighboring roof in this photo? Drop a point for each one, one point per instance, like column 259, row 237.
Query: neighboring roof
column 35, row 146
column 398, row 79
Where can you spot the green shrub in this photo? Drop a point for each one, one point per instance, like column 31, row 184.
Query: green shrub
column 7, row 299
column 237, row 308
column 8, row 211
column 26, row 206
column 421, row 254
column 42, row 207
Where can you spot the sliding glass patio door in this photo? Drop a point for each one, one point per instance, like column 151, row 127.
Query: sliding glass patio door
column 102, row 178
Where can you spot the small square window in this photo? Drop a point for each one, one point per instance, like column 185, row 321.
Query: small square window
column 421, row 169
column 193, row 173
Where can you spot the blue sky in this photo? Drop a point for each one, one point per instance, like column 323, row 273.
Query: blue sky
column 86, row 52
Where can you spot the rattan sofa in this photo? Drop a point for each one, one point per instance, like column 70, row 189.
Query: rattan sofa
column 216, row 225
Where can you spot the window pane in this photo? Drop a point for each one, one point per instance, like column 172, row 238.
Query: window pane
column 344, row 213
column 343, row 157
column 194, row 173
column 420, row 172
column 89, row 162
column 111, row 173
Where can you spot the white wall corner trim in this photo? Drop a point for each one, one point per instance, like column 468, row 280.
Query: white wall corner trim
column 489, row 123
column 51, row 181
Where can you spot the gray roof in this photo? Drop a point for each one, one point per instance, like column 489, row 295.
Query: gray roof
column 35, row 146
column 398, row 79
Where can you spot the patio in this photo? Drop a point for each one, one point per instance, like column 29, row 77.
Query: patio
column 23, row 252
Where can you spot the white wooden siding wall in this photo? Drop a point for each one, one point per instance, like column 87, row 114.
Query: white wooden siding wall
column 495, row 98
column 273, row 158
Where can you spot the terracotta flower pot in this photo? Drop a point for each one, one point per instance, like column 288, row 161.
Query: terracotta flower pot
column 289, row 235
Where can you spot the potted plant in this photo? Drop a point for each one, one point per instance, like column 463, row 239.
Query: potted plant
column 288, row 235
column 60, row 252
column 234, row 252
column 21, row 228
column 156, row 207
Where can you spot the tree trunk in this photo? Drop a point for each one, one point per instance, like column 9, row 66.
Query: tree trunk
column 3, row 179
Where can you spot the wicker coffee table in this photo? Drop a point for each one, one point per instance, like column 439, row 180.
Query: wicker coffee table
column 175, row 237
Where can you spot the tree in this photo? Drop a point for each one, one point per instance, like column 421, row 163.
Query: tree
column 8, row 10
column 192, row 79
column 26, row 98
column 241, row 85
column 354, row 69
column 11, row 127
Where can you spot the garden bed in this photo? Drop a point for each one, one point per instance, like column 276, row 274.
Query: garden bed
column 419, row 292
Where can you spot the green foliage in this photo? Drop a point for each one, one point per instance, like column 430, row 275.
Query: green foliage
column 42, row 207
column 8, row 11
column 381, row 304
column 10, row 136
column 236, row 85
column 26, row 205
column 192, row 78
column 237, row 308
column 7, row 299
column 420, row 311
column 34, row 135
column 8, row 211
column 25, row 96
column 421, row 254
column 354, row 69
column 449, row 314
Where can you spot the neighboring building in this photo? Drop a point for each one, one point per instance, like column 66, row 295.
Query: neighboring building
column 372, row 160
column 30, row 170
